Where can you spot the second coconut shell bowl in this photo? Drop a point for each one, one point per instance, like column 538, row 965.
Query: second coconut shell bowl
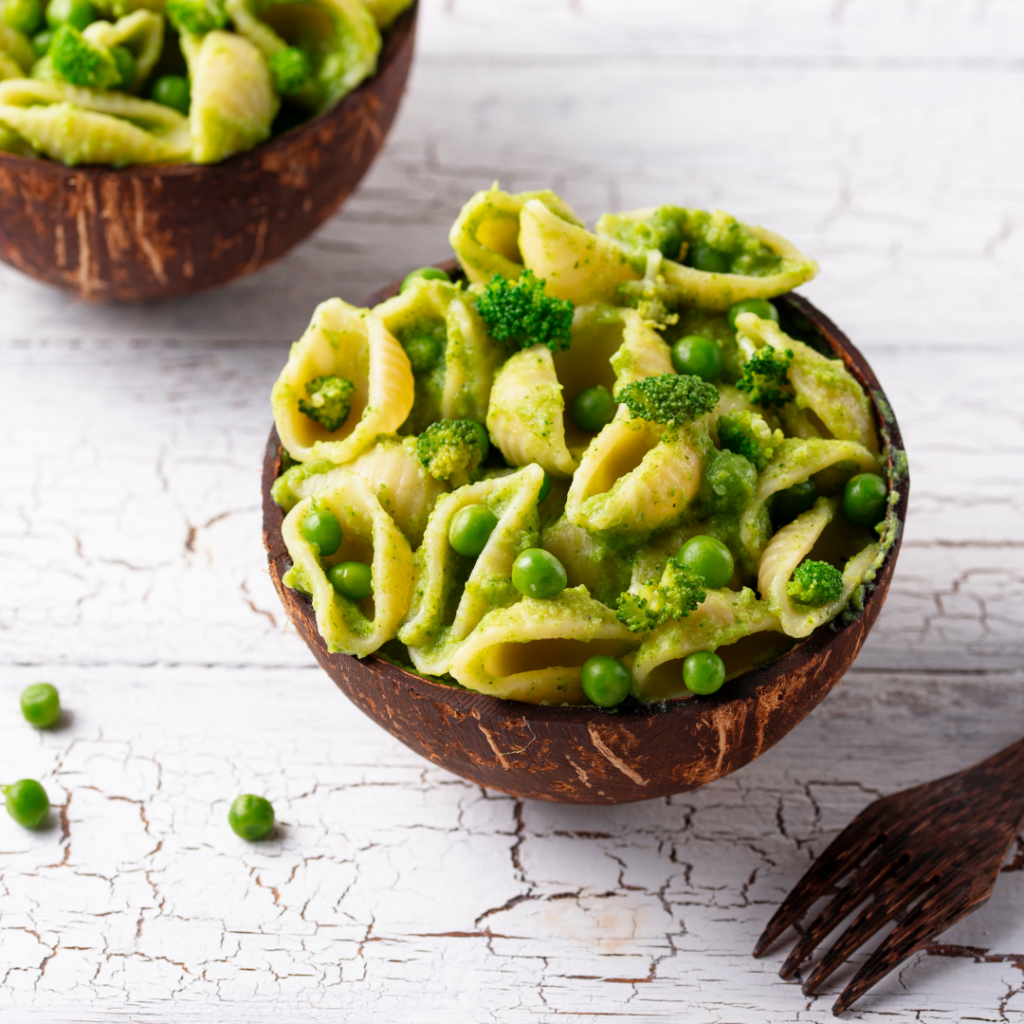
column 584, row 755
column 168, row 230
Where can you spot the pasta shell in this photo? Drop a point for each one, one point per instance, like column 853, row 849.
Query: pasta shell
column 610, row 347
column 631, row 481
column 796, row 460
column 441, row 616
column 369, row 535
column 575, row 263
column 459, row 386
column 405, row 490
column 92, row 126
column 233, row 99
column 534, row 650
column 822, row 385
column 354, row 344
column 142, row 32
column 784, row 553
column 724, row 618
column 485, row 235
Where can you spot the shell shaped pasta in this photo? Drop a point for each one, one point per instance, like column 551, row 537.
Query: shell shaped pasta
column 796, row 460
column 142, row 32
column 369, row 535
column 485, row 235
column 823, row 385
column 92, row 126
column 610, row 347
column 588, row 561
column 576, row 264
column 526, row 416
column 786, row 550
column 405, row 490
column 460, row 386
column 632, row 481
column 715, row 291
column 233, row 99
column 354, row 344
column 440, row 617
column 723, row 618
column 344, row 29
column 534, row 650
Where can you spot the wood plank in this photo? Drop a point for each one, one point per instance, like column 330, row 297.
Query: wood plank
column 961, row 32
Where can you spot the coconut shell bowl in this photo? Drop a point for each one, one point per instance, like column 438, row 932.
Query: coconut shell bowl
column 161, row 231
column 585, row 755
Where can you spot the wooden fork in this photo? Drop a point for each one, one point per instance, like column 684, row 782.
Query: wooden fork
column 925, row 858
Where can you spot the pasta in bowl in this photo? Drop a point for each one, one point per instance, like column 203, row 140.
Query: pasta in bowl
column 229, row 130
column 633, row 559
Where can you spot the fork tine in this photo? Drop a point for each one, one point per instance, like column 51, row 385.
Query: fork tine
column 882, row 909
column 863, row 883
column 934, row 914
column 842, row 854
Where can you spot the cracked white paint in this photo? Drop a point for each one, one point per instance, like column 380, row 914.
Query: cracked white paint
column 876, row 134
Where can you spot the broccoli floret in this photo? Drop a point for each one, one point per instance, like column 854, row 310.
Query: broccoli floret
column 672, row 399
column 674, row 596
column 452, row 449
column 289, row 68
column 81, row 62
column 518, row 312
column 196, row 17
column 329, row 401
column 745, row 432
column 765, row 377
column 815, row 583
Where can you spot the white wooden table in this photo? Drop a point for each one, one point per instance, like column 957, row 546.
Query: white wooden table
column 883, row 136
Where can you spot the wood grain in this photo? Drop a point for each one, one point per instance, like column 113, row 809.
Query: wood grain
column 586, row 755
column 158, row 232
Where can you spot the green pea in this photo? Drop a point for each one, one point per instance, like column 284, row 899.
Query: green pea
column 24, row 15
column 865, row 498
column 40, row 704
column 172, row 91
column 537, row 573
column 702, row 257
column 703, row 672
column 545, row 489
column 788, row 504
column 251, row 817
column 470, row 529
column 593, row 408
column 27, row 802
column 320, row 526
column 126, row 67
column 77, row 13
column 605, row 681
column 759, row 307
column 41, row 42
column 425, row 274
column 710, row 558
column 424, row 351
column 351, row 579
column 699, row 356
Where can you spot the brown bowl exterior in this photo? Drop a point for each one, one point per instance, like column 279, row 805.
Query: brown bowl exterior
column 156, row 232
column 587, row 755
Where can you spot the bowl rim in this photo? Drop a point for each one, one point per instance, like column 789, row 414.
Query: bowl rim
column 738, row 691
column 393, row 38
